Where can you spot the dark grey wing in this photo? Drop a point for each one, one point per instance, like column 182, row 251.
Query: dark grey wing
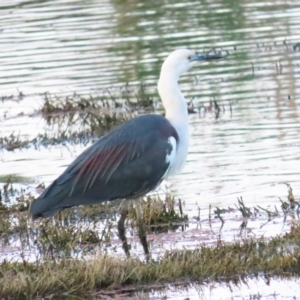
column 128, row 162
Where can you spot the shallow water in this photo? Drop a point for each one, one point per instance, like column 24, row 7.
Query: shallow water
column 86, row 47
column 254, row 289
column 74, row 47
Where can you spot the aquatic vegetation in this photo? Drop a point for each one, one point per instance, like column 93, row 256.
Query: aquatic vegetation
column 78, row 239
column 12, row 142
column 79, row 119
column 230, row 261
column 65, row 244
column 127, row 97
column 15, row 178
column 69, row 230
column 159, row 214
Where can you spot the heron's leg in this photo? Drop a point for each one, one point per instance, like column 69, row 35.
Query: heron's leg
column 121, row 229
column 141, row 227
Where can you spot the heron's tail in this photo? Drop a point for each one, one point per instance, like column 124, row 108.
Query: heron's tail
column 42, row 208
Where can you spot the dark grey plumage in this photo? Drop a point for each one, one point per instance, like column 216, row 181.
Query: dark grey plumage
column 128, row 162
column 131, row 160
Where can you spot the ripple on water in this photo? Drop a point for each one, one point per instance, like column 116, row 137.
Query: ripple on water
column 249, row 151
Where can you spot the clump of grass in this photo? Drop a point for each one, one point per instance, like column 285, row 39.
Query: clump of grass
column 68, row 230
column 15, row 178
column 80, row 277
column 142, row 97
column 97, row 114
column 12, row 97
column 98, row 212
column 61, row 235
column 160, row 214
column 16, row 200
column 57, row 273
column 56, row 239
column 290, row 207
column 84, row 129
column 46, row 140
column 78, row 119
column 23, row 202
column 246, row 211
column 110, row 99
column 11, row 142
column 5, row 225
column 3, row 207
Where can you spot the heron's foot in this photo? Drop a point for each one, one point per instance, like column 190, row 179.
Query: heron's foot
column 143, row 236
column 121, row 230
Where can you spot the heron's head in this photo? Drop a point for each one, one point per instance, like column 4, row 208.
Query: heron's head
column 181, row 60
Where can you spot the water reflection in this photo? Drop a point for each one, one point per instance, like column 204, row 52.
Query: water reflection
column 87, row 47
column 248, row 151
column 252, row 288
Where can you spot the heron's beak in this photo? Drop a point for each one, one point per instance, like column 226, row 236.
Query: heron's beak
column 208, row 56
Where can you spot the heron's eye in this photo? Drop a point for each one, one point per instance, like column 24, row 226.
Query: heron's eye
column 189, row 57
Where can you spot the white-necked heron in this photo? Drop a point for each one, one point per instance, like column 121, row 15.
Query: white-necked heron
column 132, row 159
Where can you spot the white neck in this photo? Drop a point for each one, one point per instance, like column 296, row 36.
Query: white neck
column 172, row 99
column 177, row 114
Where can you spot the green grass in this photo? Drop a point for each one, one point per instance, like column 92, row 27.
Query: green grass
column 15, row 178
column 81, row 277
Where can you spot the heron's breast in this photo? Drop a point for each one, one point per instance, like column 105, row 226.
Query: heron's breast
column 178, row 156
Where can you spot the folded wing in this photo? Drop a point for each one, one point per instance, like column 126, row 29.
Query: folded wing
column 128, row 162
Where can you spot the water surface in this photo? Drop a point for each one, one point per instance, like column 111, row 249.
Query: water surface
column 249, row 149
